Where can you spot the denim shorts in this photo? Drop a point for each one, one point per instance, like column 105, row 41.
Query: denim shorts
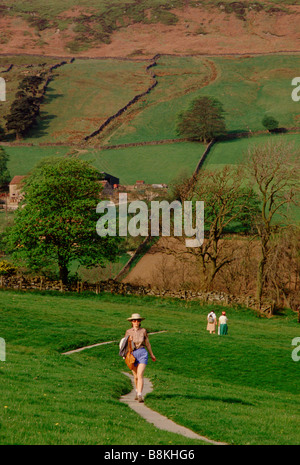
column 141, row 356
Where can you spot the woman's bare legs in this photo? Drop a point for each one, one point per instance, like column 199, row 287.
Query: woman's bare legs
column 138, row 374
column 134, row 372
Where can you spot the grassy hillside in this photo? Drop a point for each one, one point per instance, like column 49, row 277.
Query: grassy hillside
column 239, row 389
column 23, row 159
column 22, row 66
column 146, row 27
column 249, row 88
column 83, row 94
column 97, row 20
column 153, row 164
column 234, row 152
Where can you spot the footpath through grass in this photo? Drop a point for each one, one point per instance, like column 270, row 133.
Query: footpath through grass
column 239, row 389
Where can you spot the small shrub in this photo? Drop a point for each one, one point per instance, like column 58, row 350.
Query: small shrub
column 255, row 6
column 270, row 123
column 40, row 23
column 7, row 268
column 201, row 30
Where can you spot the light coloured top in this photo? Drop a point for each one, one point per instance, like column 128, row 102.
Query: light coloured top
column 223, row 320
column 139, row 337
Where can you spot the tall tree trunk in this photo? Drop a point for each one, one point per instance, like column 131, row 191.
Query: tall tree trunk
column 63, row 273
column 63, row 268
column 261, row 276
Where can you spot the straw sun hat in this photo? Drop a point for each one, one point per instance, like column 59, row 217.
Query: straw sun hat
column 135, row 316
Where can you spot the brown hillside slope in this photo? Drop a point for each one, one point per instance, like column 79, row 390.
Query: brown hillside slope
column 202, row 30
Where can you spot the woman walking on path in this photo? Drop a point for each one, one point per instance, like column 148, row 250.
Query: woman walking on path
column 138, row 336
column 211, row 322
column 223, row 328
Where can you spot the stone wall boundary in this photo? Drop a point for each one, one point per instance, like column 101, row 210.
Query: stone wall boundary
column 112, row 286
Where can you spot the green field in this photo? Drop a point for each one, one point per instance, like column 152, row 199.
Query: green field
column 234, row 152
column 239, row 389
column 249, row 88
column 23, row 159
column 179, row 80
column 84, row 94
column 152, row 164
column 22, row 67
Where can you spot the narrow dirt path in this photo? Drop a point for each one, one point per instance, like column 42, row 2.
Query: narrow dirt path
column 80, row 349
column 158, row 420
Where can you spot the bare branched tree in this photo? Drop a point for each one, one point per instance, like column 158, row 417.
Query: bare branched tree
column 283, row 268
column 227, row 201
column 274, row 170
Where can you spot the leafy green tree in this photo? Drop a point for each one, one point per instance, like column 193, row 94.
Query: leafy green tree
column 56, row 222
column 26, row 107
column 23, row 114
column 4, row 173
column 30, row 84
column 203, row 120
column 270, row 123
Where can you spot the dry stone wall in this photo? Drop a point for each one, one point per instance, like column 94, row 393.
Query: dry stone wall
column 112, row 286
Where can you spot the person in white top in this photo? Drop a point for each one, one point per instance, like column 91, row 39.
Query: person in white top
column 211, row 322
column 223, row 327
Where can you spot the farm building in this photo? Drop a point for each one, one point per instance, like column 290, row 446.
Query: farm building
column 15, row 192
column 112, row 180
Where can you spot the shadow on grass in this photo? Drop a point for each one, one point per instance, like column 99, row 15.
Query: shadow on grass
column 41, row 127
column 227, row 400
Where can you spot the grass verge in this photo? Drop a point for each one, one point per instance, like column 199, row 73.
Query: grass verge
column 240, row 389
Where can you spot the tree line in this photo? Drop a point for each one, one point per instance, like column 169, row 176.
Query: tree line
column 204, row 120
column 25, row 109
column 57, row 222
column 255, row 198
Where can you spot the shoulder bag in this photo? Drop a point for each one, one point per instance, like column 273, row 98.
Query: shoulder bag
column 129, row 359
